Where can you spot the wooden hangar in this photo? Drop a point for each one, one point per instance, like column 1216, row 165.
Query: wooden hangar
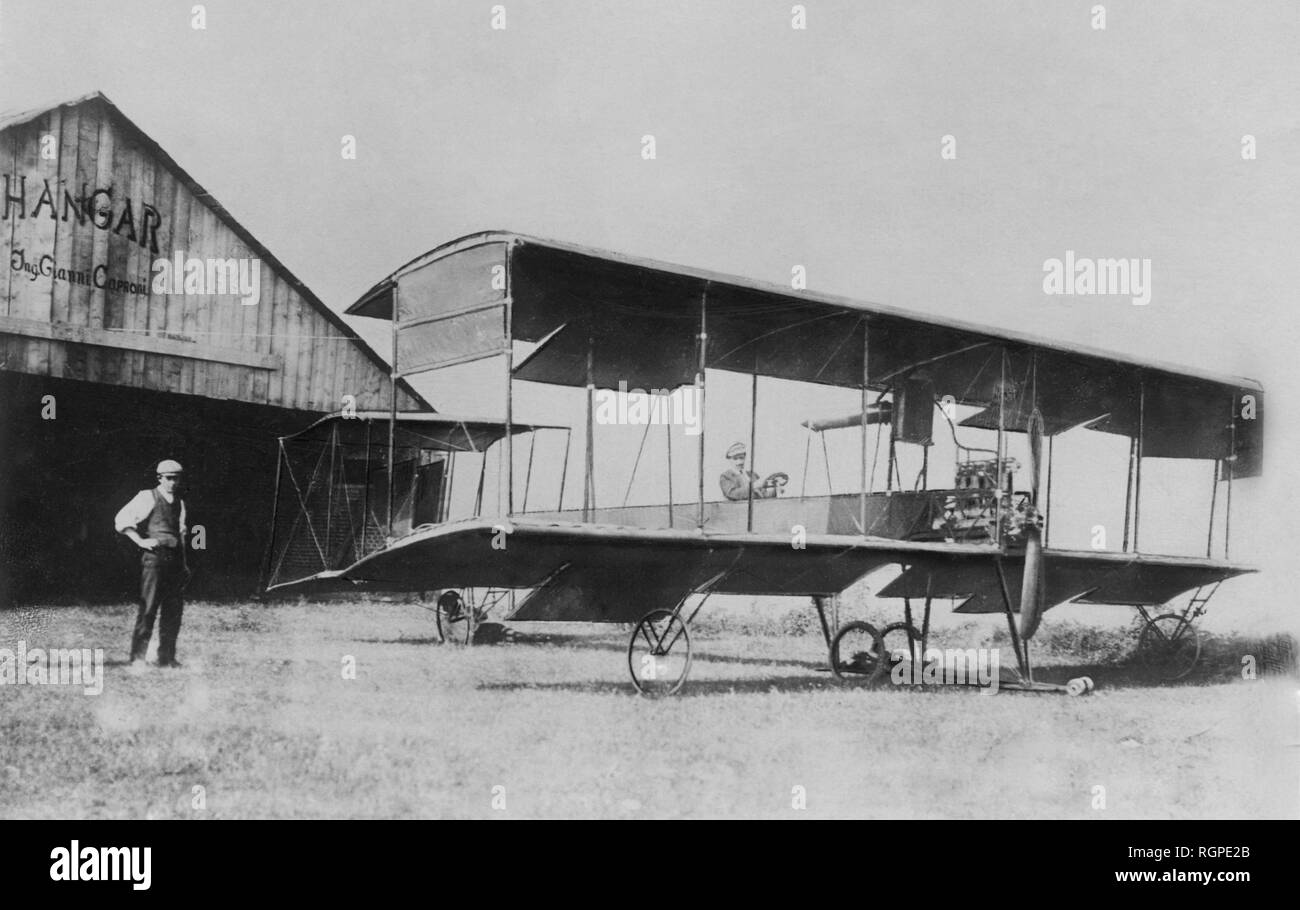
column 109, row 362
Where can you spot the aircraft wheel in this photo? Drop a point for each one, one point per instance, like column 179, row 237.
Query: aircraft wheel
column 659, row 653
column 455, row 618
column 1169, row 647
column 901, row 642
column 858, row 653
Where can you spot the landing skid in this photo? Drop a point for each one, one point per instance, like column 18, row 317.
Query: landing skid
column 1010, row 681
column 1081, row 685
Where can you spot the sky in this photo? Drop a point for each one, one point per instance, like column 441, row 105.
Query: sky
column 774, row 146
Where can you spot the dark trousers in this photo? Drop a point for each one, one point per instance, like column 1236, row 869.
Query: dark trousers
column 162, row 577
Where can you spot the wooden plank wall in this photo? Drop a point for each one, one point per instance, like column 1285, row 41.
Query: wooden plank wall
column 93, row 150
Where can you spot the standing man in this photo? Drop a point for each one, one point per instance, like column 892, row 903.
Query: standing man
column 160, row 514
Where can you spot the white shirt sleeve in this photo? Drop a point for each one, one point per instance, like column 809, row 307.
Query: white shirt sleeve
column 184, row 524
column 135, row 511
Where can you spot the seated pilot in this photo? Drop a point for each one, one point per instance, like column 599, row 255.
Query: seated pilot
column 736, row 482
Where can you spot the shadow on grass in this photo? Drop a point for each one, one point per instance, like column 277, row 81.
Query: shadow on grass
column 1220, row 663
column 1116, row 677
column 825, row 681
column 699, row 650
column 692, row 688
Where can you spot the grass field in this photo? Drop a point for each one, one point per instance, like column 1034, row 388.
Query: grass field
column 263, row 720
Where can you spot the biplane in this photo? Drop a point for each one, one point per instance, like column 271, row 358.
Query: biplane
column 375, row 499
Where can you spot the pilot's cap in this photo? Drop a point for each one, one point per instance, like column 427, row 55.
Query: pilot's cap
column 737, row 450
column 169, row 467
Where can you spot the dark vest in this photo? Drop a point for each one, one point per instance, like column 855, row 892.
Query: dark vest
column 164, row 523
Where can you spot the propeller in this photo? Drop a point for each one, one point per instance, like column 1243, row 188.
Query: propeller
column 1031, row 585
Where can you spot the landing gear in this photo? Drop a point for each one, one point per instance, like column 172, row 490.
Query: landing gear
column 659, row 653
column 858, row 653
column 463, row 617
column 1170, row 645
column 902, row 641
column 1081, row 685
